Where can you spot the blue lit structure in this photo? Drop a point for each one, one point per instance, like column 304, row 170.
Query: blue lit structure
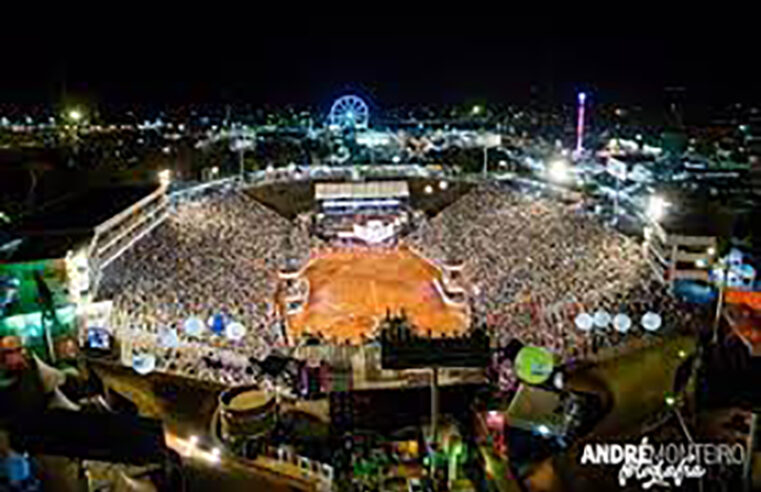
column 349, row 112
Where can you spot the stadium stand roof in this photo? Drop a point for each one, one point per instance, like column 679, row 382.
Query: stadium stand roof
column 369, row 190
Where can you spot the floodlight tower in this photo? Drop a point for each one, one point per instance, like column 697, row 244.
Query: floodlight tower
column 582, row 98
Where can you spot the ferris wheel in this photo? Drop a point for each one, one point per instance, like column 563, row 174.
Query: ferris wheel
column 349, row 112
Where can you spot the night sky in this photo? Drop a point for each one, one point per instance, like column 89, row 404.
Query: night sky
column 503, row 59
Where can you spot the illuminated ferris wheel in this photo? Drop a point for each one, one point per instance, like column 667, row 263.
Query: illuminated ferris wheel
column 349, row 112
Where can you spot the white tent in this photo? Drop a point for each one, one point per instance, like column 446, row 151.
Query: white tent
column 651, row 321
column 622, row 322
column 602, row 318
column 584, row 321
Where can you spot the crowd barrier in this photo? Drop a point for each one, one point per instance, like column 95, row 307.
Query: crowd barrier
column 310, row 468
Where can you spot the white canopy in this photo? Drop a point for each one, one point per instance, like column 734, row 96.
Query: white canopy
column 651, row 321
column 622, row 322
column 143, row 363
column 584, row 321
column 235, row 331
column 167, row 337
column 601, row 318
column 193, row 327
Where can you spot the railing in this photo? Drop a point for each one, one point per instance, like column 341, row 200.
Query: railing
column 116, row 235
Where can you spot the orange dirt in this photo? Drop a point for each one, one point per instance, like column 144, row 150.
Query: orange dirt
column 350, row 292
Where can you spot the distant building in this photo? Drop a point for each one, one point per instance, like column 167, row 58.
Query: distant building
column 683, row 244
column 674, row 256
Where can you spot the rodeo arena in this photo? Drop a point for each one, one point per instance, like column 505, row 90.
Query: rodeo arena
column 220, row 279
column 282, row 303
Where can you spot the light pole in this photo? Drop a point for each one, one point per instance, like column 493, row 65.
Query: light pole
column 673, row 403
column 434, row 402
column 486, row 161
column 75, row 115
column 618, row 169
column 719, row 301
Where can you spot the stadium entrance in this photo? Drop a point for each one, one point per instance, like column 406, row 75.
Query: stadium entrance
column 371, row 212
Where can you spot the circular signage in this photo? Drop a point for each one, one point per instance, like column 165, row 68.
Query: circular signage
column 534, row 365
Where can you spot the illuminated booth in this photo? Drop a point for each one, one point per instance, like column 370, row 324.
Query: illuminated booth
column 37, row 309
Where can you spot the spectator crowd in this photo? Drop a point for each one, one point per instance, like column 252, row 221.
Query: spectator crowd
column 214, row 261
column 533, row 264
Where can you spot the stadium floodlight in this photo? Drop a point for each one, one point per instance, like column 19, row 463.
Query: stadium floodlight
column 558, row 171
column 656, row 207
column 214, row 455
column 165, row 177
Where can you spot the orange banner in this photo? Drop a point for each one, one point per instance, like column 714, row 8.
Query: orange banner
column 751, row 299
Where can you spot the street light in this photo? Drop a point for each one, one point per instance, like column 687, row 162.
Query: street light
column 476, row 109
column 75, row 115
column 165, row 177
column 656, row 207
column 558, row 171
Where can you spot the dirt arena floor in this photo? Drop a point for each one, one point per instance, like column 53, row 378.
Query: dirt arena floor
column 350, row 292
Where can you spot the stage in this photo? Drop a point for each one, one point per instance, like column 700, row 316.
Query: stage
column 351, row 290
